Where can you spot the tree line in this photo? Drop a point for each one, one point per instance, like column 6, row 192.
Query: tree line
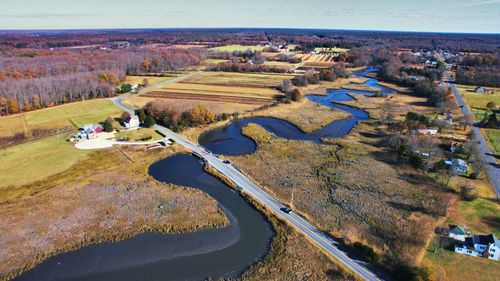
column 63, row 78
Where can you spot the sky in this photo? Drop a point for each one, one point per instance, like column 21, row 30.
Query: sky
column 476, row 16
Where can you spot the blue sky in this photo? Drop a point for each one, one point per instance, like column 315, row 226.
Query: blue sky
column 481, row 16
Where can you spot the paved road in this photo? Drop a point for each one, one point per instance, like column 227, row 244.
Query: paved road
column 326, row 243
column 493, row 169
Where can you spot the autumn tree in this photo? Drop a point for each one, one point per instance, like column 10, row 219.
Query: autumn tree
column 12, row 106
column 36, row 102
column 296, row 95
column 27, row 106
column 124, row 116
column 491, row 105
column 202, row 115
column 145, row 82
column 145, row 65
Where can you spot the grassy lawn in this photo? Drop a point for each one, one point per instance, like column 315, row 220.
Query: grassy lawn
column 460, row 267
column 480, row 217
column 492, row 136
column 478, row 100
column 68, row 115
column 139, row 135
column 39, row 159
column 234, row 48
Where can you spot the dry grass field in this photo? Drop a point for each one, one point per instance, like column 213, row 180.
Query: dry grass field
column 316, row 61
column 306, row 115
column 105, row 198
column 281, row 65
column 292, row 257
column 221, row 91
column 135, row 80
column 349, row 189
column 352, row 187
column 235, row 48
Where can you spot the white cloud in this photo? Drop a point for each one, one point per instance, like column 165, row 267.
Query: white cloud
column 481, row 2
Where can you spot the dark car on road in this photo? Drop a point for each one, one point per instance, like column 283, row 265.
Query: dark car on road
column 226, row 162
column 286, row 210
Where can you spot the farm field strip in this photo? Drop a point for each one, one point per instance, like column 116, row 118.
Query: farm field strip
column 236, row 48
column 208, row 97
column 219, row 92
column 233, row 79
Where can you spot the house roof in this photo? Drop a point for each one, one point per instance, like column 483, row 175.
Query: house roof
column 483, row 239
column 458, row 230
column 133, row 117
column 459, row 162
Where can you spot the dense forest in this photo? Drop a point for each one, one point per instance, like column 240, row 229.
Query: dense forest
column 45, row 68
column 32, row 79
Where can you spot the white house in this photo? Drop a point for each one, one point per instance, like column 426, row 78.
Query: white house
column 132, row 121
column 480, row 90
column 458, row 232
column 476, row 245
column 427, row 131
column 458, row 165
column 494, row 250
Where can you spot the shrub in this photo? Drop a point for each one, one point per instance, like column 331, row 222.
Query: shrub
column 141, row 114
column 108, row 126
column 125, row 88
column 149, row 121
column 468, row 193
column 366, row 252
column 416, row 160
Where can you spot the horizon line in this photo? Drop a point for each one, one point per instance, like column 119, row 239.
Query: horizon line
column 240, row 28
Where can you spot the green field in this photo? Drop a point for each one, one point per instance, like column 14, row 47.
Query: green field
column 73, row 114
column 32, row 161
column 493, row 138
column 478, row 100
column 138, row 135
column 235, row 48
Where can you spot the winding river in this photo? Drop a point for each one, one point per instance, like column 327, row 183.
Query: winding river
column 224, row 252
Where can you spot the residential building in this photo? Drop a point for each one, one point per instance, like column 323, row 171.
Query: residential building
column 457, row 232
column 132, row 122
column 476, row 245
column 457, row 165
column 480, row 90
column 494, row 250
column 89, row 131
column 427, row 131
